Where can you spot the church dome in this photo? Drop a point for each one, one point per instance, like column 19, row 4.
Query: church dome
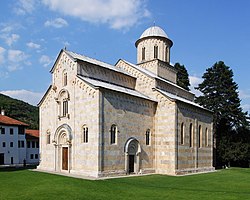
column 154, row 31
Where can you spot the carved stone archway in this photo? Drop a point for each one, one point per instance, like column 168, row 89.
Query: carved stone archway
column 132, row 151
column 62, row 142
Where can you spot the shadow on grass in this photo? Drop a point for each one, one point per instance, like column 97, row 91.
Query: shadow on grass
column 16, row 168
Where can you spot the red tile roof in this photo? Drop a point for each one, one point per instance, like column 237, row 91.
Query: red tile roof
column 34, row 133
column 5, row 120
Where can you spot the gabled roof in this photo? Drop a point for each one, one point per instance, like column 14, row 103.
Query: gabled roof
column 32, row 133
column 5, row 120
column 79, row 57
column 110, row 86
column 152, row 75
column 177, row 98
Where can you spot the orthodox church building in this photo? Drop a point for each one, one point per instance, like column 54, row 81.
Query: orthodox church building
column 98, row 119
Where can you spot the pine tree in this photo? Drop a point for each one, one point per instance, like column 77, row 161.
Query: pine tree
column 220, row 95
column 182, row 76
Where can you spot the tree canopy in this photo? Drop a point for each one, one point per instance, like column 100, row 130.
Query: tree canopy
column 220, row 95
column 182, row 76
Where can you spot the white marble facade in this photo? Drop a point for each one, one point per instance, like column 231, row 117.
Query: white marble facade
column 98, row 119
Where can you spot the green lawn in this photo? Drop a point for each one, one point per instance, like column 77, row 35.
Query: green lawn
column 226, row 184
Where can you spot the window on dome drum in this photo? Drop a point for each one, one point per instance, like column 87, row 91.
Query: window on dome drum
column 191, row 135
column 182, row 133
column 143, row 54
column 65, row 77
column 148, row 137
column 113, row 134
column 2, row 130
column 206, row 137
column 200, row 137
column 85, row 136
column 48, row 138
column 155, row 51
column 11, row 131
column 65, row 108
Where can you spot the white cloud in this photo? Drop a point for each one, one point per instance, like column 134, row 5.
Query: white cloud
column 10, row 38
column 45, row 60
column 16, row 59
column 119, row 14
column 33, row 45
column 32, row 98
column 56, row 23
column 2, row 56
column 194, row 82
column 24, row 6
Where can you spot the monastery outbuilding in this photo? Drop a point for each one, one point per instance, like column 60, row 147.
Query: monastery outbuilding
column 100, row 120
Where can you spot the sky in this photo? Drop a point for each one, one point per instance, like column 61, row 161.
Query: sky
column 32, row 33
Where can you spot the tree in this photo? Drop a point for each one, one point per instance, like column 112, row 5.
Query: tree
column 182, row 76
column 220, row 95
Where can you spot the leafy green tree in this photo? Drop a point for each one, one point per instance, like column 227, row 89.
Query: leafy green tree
column 182, row 76
column 220, row 95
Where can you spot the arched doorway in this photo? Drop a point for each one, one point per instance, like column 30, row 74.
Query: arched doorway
column 62, row 142
column 132, row 156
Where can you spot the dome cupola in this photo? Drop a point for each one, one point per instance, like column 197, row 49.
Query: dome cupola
column 153, row 44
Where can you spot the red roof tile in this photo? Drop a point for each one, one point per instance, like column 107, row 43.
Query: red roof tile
column 34, row 133
column 10, row 121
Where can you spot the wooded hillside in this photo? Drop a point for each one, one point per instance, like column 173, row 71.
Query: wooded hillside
column 20, row 110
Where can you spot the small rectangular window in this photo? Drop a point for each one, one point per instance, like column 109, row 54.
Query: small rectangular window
column 28, row 144
column 2, row 130
column 11, row 131
column 20, row 130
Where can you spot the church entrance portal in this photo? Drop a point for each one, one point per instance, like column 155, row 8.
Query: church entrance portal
column 132, row 156
column 65, row 158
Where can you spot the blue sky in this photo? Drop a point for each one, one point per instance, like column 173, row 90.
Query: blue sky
column 32, row 32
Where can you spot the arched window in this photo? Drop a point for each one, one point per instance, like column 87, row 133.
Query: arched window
column 113, row 134
column 65, row 79
column 147, row 137
column 191, row 135
column 155, row 51
column 85, row 136
column 143, row 54
column 182, row 133
column 200, row 137
column 206, row 137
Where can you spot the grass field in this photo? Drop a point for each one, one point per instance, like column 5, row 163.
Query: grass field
column 227, row 184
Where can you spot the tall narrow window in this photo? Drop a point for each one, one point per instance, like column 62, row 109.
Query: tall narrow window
column 166, row 56
column 85, row 136
column 143, row 54
column 182, row 133
column 48, row 138
column 65, row 108
column 113, row 134
column 191, row 135
column 65, row 79
column 148, row 137
column 200, row 137
column 206, row 137
column 155, row 51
